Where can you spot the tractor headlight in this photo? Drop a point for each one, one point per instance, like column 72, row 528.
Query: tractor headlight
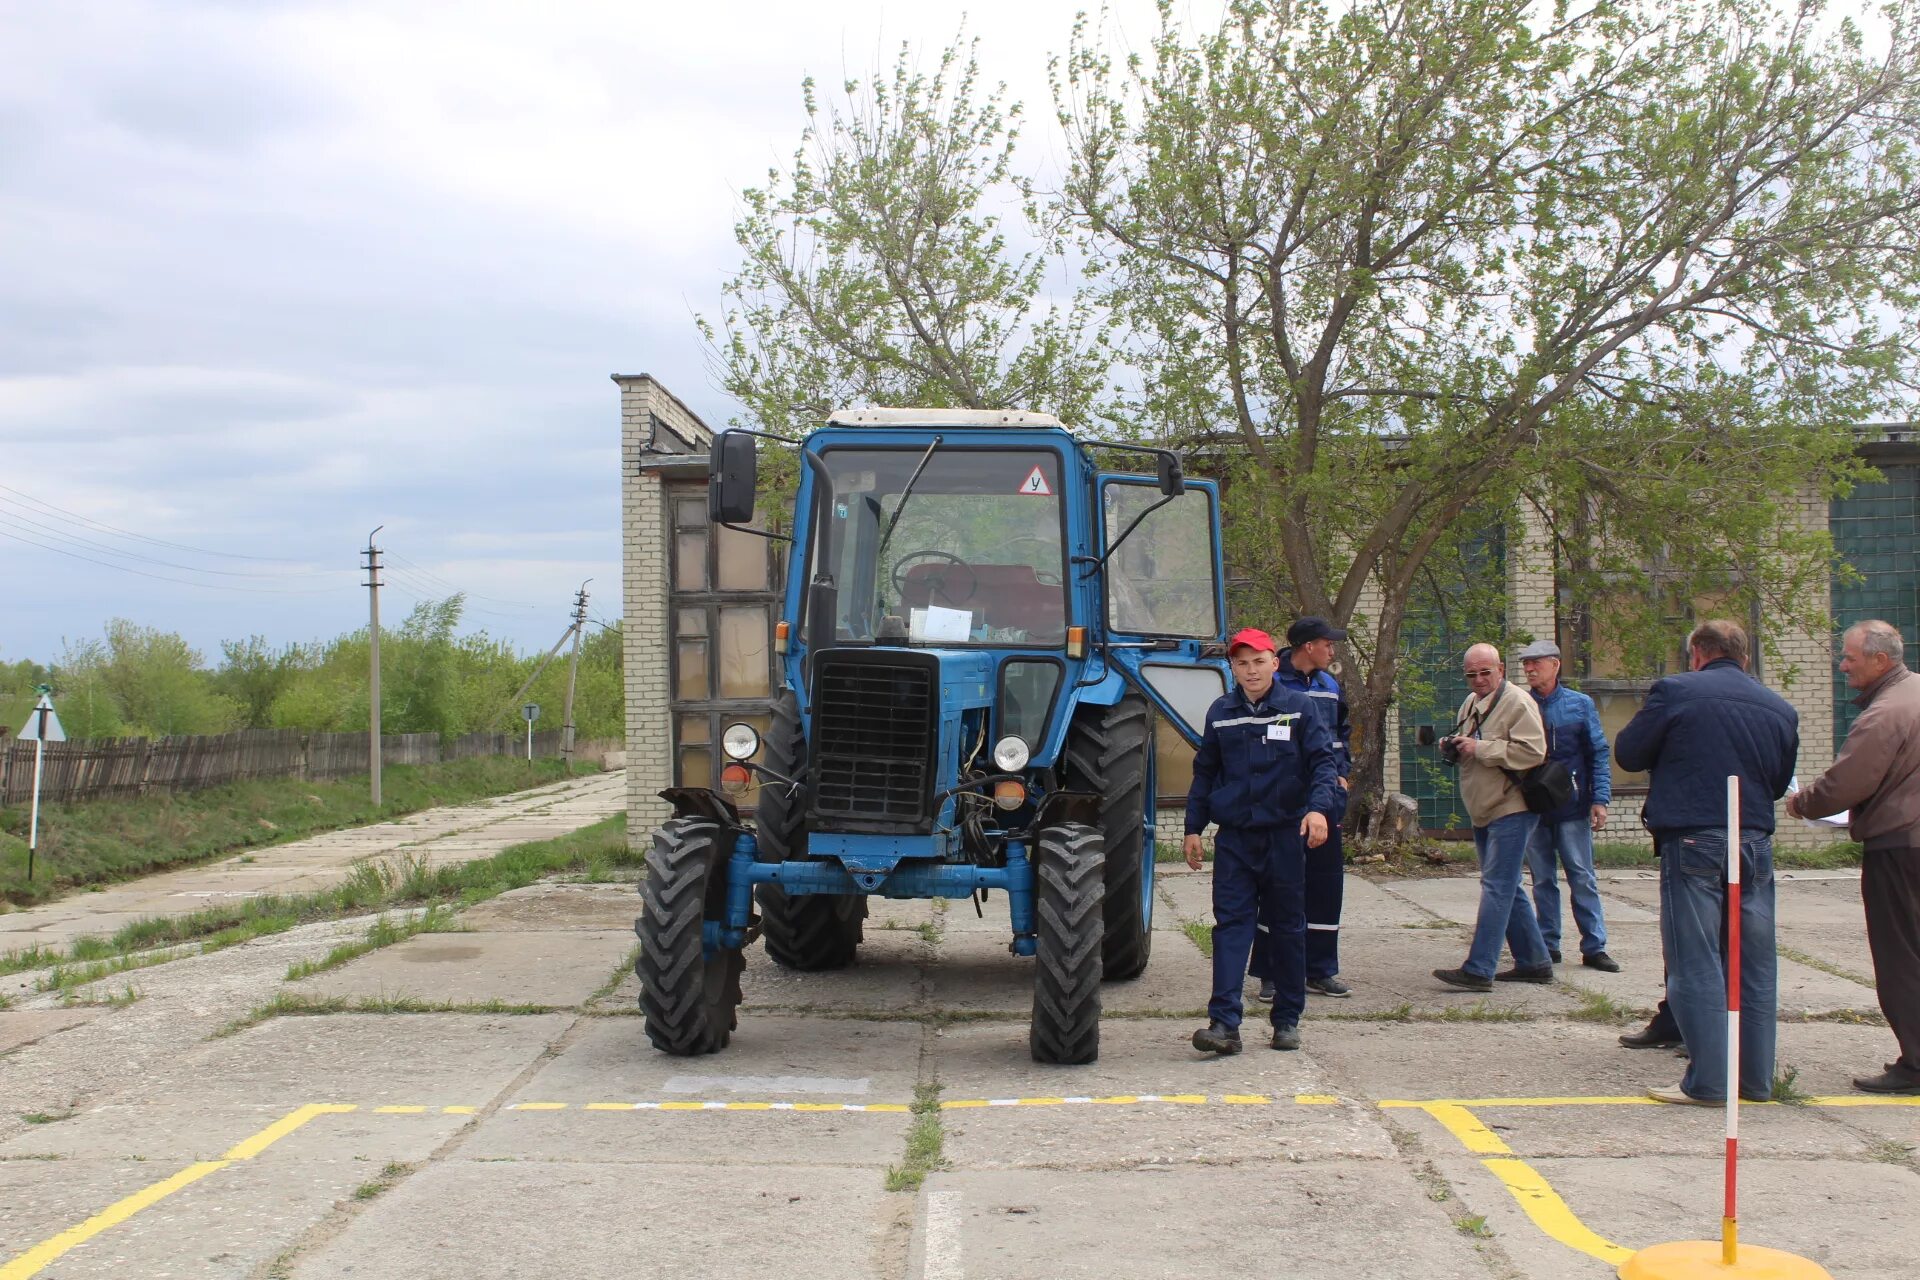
column 1010, row 754
column 739, row 741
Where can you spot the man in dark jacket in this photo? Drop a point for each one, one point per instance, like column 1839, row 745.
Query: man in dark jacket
column 1695, row 731
column 1265, row 774
column 1303, row 668
column 1565, row 836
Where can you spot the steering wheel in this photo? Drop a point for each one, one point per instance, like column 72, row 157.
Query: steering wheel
column 936, row 582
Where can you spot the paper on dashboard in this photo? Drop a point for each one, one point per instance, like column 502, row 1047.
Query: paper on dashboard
column 936, row 624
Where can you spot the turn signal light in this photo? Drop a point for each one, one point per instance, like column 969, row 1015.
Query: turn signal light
column 1009, row 794
column 781, row 630
column 1076, row 642
column 735, row 778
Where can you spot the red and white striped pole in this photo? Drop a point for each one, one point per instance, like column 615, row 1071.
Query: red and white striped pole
column 1730, row 1219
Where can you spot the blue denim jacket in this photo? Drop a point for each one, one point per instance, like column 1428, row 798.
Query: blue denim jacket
column 1576, row 740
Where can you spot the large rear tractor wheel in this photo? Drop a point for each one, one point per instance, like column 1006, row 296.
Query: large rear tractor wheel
column 1110, row 753
column 812, row 931
column 1069, row 860
column 689, row 996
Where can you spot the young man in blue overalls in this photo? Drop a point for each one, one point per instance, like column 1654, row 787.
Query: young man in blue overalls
column 1265, row 774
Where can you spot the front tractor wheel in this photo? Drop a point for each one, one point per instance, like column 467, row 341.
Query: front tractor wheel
column 1110, row 753
column 689, row 996
column 1069, row 865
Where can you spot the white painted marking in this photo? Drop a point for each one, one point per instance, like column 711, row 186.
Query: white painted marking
column 763, row 1085
column 942, row 1260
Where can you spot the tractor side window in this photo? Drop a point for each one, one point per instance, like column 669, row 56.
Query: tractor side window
column 1027, row 686
column 1160, row 582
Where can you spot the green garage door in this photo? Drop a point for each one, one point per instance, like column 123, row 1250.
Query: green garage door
column 1876, row 529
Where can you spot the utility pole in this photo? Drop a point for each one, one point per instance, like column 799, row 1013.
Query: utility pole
column 372, row 566
column 573, row 669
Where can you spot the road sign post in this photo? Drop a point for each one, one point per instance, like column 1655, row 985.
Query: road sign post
column 43, row 726
column 532, row 712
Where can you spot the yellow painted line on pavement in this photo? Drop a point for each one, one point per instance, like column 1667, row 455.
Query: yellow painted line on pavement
column 1551, row 1214
column 1317, row 1099
column 38, row 1258
column 1466, row 1126
column 399, row 1111
column 459, row 1111
column 1421, row 1104
column 1246, row 1099
column 1848, row 1100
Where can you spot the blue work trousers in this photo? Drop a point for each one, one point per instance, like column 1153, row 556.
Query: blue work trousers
column 1326, row 885
column 1505, row 912
column 1259, row 887
column 1566, row 844
column 1693, row 908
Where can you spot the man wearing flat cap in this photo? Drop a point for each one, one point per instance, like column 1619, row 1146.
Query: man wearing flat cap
column 1565, row 836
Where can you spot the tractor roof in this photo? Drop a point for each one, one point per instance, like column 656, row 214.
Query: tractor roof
column 882, row 417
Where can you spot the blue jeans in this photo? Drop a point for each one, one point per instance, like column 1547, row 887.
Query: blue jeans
column 1505, row 912
column 1693, row 905
column 1568, row 843
column 1259, row 886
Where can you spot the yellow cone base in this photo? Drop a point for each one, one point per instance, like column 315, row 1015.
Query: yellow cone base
column 1701, row 1260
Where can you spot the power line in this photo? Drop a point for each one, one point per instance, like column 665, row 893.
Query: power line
column 73, row 539
column 138, row 537
column 161, row 577
column 422, row 571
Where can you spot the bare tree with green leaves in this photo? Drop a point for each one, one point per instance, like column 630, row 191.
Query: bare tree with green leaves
column 1408, row 266
column 881, row 267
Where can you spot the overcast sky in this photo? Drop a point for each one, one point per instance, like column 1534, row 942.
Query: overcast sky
column 272, row 274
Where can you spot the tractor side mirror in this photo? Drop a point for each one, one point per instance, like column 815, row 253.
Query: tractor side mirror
column 733, row 475
column 1173, row 481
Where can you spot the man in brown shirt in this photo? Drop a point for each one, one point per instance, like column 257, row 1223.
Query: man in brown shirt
column 1877, row 780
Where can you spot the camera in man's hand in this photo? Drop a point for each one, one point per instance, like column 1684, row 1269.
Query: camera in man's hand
column 1449, row 746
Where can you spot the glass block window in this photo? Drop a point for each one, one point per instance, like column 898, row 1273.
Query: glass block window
column 1876, row 529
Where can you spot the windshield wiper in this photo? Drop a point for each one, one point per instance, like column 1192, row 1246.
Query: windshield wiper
column 905, row 493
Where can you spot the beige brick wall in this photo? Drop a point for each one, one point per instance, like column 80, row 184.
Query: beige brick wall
column 653, row 424
column 1533, row 605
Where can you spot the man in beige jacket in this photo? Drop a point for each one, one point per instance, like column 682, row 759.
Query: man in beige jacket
column 1876, row 781
column 1498, row 735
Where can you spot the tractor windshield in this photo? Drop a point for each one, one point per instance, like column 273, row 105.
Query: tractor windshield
column 972, row 556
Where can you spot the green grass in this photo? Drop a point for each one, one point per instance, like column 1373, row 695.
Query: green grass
column 1831, row 857
column 286, row 1005
column 1619, row 853
column 100, row 841
column 385, row 932
column 1814, row 962
column 44, row 1117
column 1598, row 1006
column 1473, row 1224
column 1786, row 1086
column 1201, row 936
column 925, row 1140
column 393, row 1172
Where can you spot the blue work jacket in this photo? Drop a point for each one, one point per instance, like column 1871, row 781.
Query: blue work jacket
column 1323, row 692
column 1261, row 764
column 1695, row 731
column 1576, row 740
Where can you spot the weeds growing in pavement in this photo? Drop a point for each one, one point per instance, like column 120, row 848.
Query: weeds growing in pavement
column 1598, row 1006
column 1786, row 1086
column 289, row 1004
column 1201, row 935
column 385, row 932
column 1889, row 1151
column 47, row 1117
column 1473, row 1224
column 1814, row 962
column 925, row 1140
column 393, row 1172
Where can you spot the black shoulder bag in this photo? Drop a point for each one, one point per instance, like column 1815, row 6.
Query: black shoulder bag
column 1545, row 787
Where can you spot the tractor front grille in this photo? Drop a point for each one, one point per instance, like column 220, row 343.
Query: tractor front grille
column 876, row 724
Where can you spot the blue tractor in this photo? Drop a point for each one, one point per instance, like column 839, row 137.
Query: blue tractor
column 982, row 630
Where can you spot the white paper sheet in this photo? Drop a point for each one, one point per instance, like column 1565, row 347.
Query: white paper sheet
column 1836, row 820
column 935, row 624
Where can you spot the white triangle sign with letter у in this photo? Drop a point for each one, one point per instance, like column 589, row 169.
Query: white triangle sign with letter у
column 1036, row 484
column 30, row 731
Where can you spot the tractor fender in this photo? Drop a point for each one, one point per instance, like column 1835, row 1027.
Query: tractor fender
column 703, row 803
column 1068, row 806
column 1104, row 692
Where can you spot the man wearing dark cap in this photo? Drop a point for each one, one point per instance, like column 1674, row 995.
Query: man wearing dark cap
column 1564, row 837
column 1304, row 668
column 1266, row 775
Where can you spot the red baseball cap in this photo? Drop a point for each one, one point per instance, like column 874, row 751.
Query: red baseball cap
column 1252, row 638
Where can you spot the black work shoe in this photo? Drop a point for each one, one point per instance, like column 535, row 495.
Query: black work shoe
column 1329, row 987
column 1895, row 1079
column 1602, row 961
column 1651, row 1036
column 1287, row 1037
column 1554, row 956
column 1267, row 991
column 1217, row 1037
column 1542, row 973
column 1462, row 979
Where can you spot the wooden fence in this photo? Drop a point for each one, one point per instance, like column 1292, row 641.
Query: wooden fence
column 135, row 766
